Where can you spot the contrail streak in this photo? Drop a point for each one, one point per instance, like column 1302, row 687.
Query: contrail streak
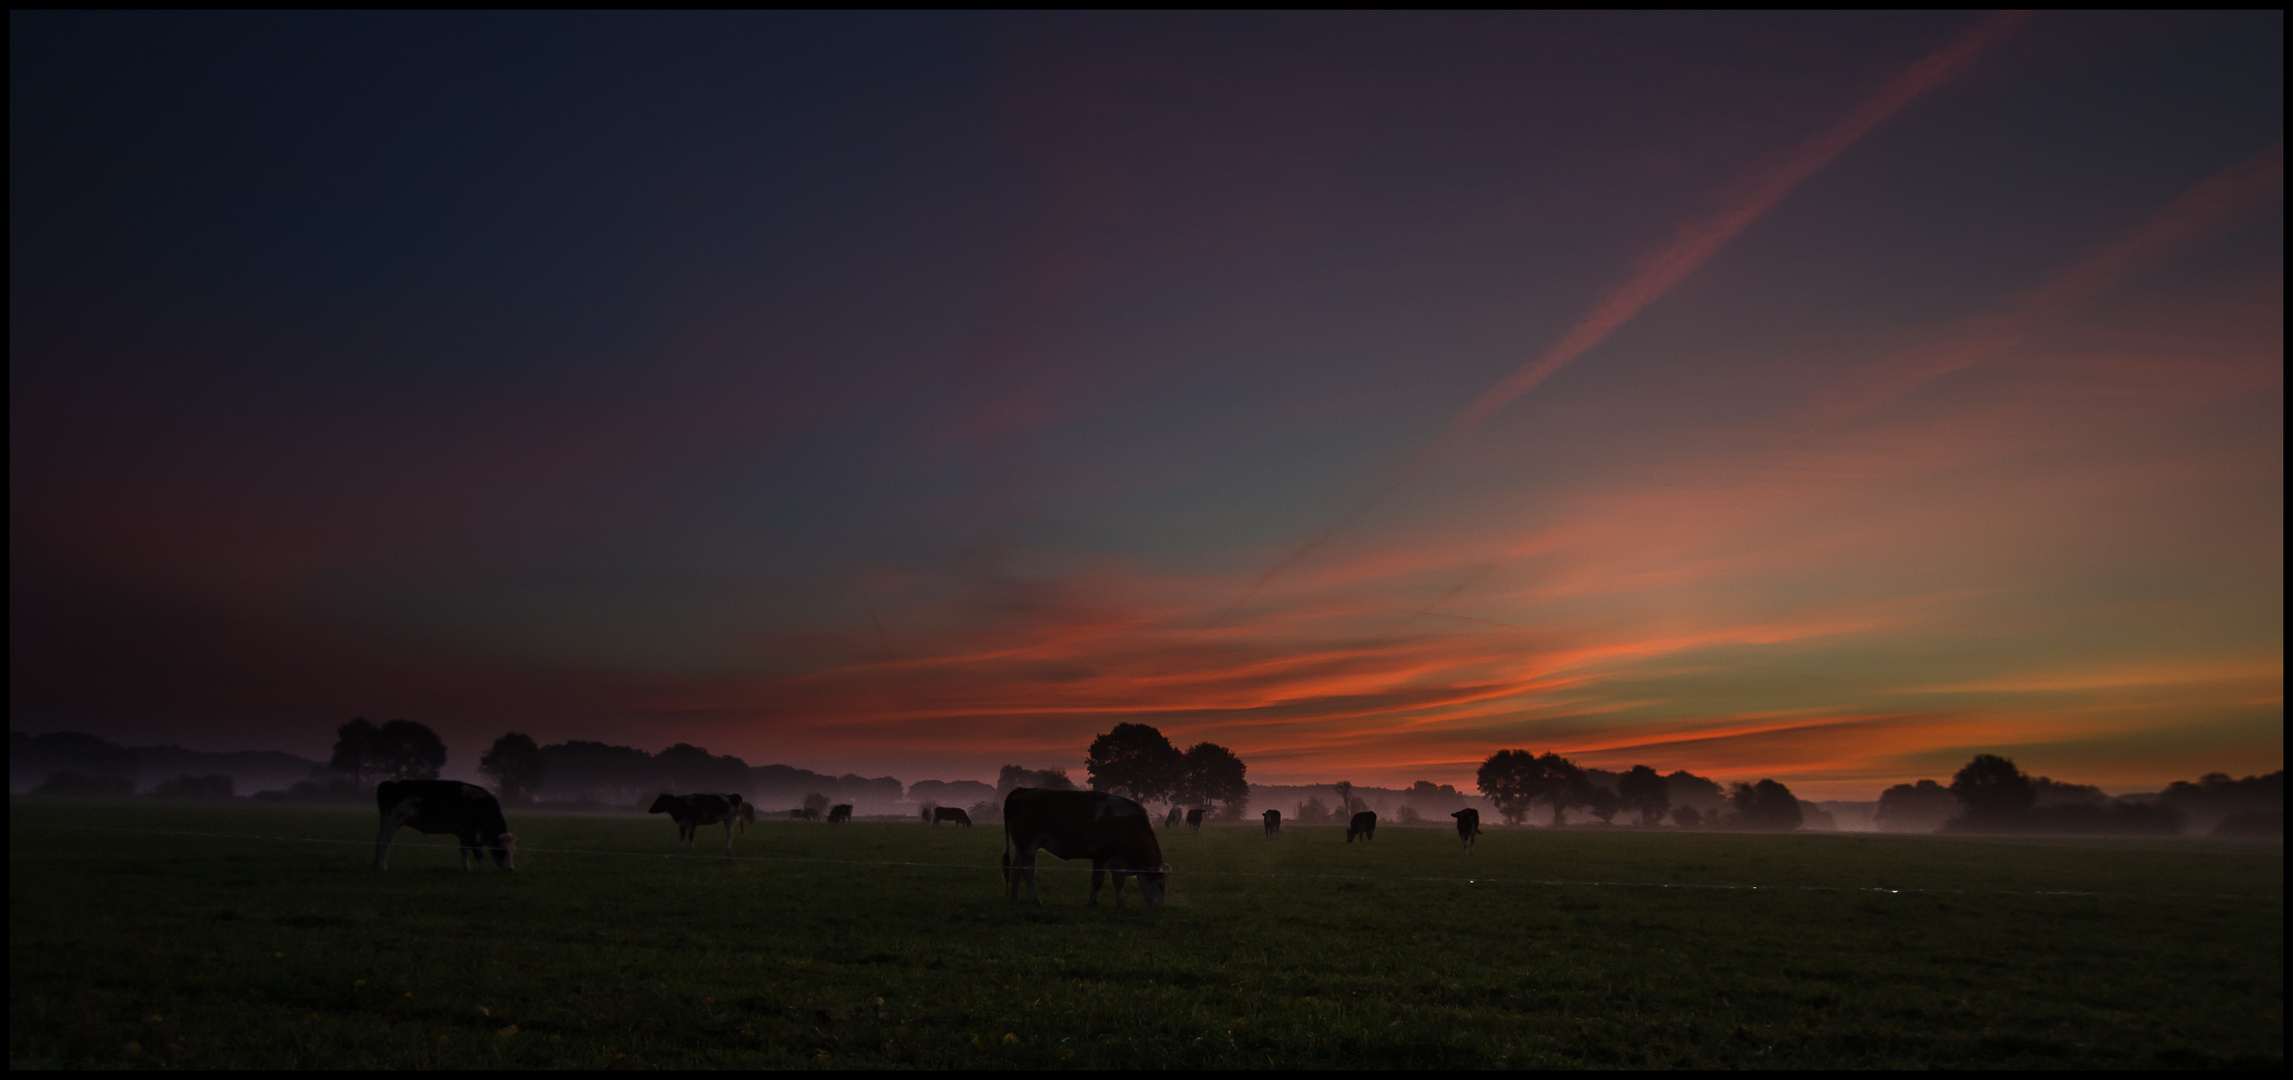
column 1695, row 244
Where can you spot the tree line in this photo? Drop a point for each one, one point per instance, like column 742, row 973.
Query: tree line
column 1516, row 780
column 1990, row 794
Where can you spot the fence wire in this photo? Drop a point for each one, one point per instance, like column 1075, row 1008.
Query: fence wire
column 726, row 856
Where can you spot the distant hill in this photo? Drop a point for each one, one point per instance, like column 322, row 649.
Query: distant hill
column 33, row 758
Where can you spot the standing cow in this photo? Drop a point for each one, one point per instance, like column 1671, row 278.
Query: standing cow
column 1194, row 819
column 1468, row 825
column 951, row 814
column 839, row 813
column 1111, row 831
column 464, row 811
column 1363, row 825
column 1171, row 820
column 690, row 812
column 1273, row 823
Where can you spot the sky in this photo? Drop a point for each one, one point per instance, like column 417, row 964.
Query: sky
column 1823, row 397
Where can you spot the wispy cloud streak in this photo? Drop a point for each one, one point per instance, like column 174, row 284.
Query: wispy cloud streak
column 1691, row 248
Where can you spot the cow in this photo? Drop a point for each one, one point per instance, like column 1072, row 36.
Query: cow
column 839, row 813
column 950, row 813
column 1273, row 823
column 690, row 812
column 1171, row 820
column 1194, row 819
column 465, row 811
column 1113, row 832
column 1363, row 825
column 1468, row 825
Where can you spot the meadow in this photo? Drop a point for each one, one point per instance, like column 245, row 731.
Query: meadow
column 255, row 947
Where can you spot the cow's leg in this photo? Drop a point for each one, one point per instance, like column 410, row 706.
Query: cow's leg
column 1027, row 867
column 728, row 834
column 1098, row 878
column 1119, row 876
column 398, row 818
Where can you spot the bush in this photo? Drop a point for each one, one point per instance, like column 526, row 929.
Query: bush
column 2252, row 825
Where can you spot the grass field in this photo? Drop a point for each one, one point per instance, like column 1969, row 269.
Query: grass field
column 127, row 949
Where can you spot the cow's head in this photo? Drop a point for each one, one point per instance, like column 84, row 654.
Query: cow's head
column 504, row 849
column 663, row 804
column 1154, row 884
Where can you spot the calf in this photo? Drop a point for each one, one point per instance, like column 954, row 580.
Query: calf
column 690, row 812
column 1468, row 825
column 1273, row 823
column 1111, row 831
column 1363, row 825
column 464, row 811
column 1194, row 819
column 952, row 814
column 839, row 813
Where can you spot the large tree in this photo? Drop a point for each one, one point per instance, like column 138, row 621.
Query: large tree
column 1644, row 790
column 1565, row 786
column 1994, row 792
column 515, row 763
column 1512, row 779
column 398, row 750
column 1135, row 760
column 1767, row 806
column 1215, row 777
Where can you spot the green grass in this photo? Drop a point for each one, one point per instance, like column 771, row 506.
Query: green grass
column 134, row 949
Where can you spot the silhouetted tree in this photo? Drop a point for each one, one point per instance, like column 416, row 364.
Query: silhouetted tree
column 1345, row 792
column 815, row 806
column 398, row 750
column 1920, row 807
column 1996, row 795
column 1214, row 776
column 515, row 763
column 1687, row 818
column 1015, row 776
column 1312, row 812
column 1134, row 760
column 1644, row 790
column 2215, row 798
column 1565, row 786
column 1767, row 806
column 1512, row 779
column 355, row 749
column 1604, row 804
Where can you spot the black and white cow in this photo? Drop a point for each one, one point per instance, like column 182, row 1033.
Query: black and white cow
column 1111, row 831
column 465, row 811
column 1468, row 825
column 690, row 812
column 839, row 813
column 1363, row 825
column 1273, row 823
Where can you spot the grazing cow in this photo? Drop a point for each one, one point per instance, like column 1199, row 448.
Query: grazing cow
column 690, row 812
column 951, row 813
column 464, row 811
column 1194, row 819
column 839, row 813
column 1273, row 823
column 1111, row 831
column 1171, row 820
column 1468, row 825
column 1363, row 825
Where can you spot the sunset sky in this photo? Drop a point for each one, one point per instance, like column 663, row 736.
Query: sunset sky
column 1818, row 397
